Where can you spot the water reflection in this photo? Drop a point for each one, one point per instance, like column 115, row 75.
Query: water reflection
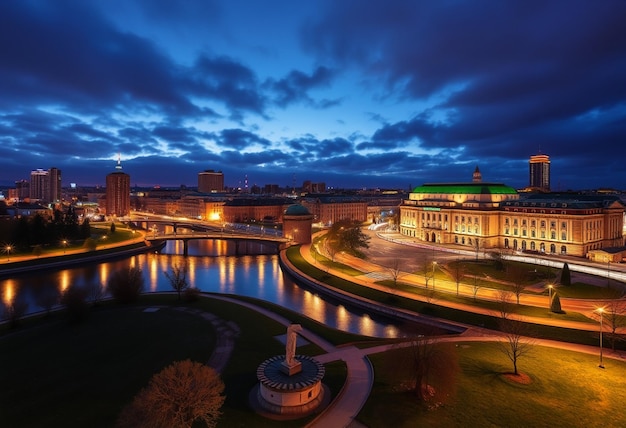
column 257, row 276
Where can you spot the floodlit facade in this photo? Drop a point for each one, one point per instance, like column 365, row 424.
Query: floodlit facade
column 118, row 193
column 492, row 216
column 539, row 172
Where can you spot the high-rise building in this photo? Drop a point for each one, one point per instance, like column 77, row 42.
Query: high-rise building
column 45, row 185
column 118, row 192
column 539, row 172
column 22, row 189
column 210, row 181
column 39, row 185
column 54, row 176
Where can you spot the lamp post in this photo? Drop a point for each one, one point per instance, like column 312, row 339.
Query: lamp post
column 64, row 242
column 601, row 312
column 549, row 295
column 7, row 250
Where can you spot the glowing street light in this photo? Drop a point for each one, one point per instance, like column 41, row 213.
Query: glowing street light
column 64, row 242
column 549, row 295
column 601, row 312
column 7, row 249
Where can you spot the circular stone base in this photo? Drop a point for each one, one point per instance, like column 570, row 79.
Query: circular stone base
column 258, row 405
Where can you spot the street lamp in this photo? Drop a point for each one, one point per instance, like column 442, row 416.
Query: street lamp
column 64, row 242
column 7, row 250
column 549, row 295
column 601, row 312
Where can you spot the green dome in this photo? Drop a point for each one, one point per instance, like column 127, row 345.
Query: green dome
column 297, row 209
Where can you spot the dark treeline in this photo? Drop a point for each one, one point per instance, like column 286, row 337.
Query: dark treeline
column 26, row 233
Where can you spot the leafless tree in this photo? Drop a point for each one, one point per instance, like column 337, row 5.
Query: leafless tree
column 517, row 341
column 475, row 286
column 615, row 318
column 457, row 272
column 517, row 276
column 428, row 271
column 176, row 397
column 503, row 299
column 178, row 278
column 394, row 271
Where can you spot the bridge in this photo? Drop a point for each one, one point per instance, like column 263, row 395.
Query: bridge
column 237, row 237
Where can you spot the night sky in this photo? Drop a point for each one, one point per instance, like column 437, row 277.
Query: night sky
column 353, row 93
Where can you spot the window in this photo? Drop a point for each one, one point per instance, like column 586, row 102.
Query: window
column 543, row 223
column 553, row 235
column 563, row 225
column 563, row 236
column 533, row 234
column 533, row 223
column 523, row 232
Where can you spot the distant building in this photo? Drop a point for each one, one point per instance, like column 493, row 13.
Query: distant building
column 539, row 172
column 210, row 181
column 330, row 209
column 45, row 185
column 492, row 215
column 250, row 209
column 22, row 190
column 310, row 187
column 297, row 224
column 118, row 192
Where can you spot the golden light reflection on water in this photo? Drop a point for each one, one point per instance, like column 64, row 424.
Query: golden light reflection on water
column 153, row 269
column 367, row 325
column 343, row 318
column 104, row 273
column 64, row 282
column 9, row 292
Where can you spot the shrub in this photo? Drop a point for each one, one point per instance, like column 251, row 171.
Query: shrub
column 566, row 277
column 75, row 301
column 555, row 304
column 126, row 285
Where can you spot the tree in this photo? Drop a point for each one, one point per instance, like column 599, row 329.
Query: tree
column 346, row 235
column 516, row 343
column 555, row 303
column 112, row 228
column 126, row 285
column 179, row 395
column 178, row 278
column 615, row 318
column 75, row 301
column 504, row 303
column 517, row 275
column 457, row 272
column 566, row 276
column 394, row 271
column 85, row 229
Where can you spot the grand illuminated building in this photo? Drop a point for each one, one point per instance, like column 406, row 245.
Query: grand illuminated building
column 493, row 216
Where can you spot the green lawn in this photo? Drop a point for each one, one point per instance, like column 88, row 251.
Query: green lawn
column 59, row 374
column 567, row 389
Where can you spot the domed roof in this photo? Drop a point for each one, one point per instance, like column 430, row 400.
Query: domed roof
column 297, row 209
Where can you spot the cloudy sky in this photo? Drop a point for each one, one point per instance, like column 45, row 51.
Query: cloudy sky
column 354, row 93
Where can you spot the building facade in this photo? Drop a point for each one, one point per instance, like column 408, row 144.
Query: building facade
column 210, row 181
column 330, row 209
column 118, row 193
column 486, row 216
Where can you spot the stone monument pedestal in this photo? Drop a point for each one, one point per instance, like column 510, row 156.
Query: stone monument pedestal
column 291, row 369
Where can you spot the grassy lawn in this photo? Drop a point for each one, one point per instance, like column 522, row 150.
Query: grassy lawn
column 82, row 375
column 434, row 309
column 566, row 389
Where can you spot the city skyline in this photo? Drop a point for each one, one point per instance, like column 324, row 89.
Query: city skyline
column 355, row 94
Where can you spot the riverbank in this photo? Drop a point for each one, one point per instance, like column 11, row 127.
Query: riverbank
column 75, row 257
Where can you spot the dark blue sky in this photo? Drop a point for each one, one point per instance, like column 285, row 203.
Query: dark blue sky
column 354, row 93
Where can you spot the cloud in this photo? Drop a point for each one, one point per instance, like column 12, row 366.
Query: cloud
column 295, row 87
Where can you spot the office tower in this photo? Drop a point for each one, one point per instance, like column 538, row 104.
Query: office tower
column 54, row 176
column 539, row 169
column 210, row 181
column 118, row 192
column 22, row 189
column 39, row 185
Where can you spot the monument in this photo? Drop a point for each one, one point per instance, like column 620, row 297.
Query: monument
column 290, row 385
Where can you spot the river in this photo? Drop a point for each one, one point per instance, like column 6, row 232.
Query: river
column 212, row 267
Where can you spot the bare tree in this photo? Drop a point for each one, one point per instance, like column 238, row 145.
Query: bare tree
column 517, row 276
column 428, row 271
column 178, row 278
column 176, row 397
column 615, row 318
column 503, row 299
column 475, row 286
column 517, row 342
column 394, row 271
column 457, row 272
